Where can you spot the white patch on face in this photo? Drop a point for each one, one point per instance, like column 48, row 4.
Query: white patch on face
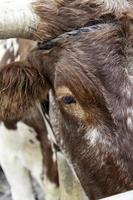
column 20, row 153
column 93, row 136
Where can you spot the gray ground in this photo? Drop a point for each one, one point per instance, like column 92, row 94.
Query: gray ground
column 5, row 189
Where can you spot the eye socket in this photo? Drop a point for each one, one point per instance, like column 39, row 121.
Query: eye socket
column 68, row 100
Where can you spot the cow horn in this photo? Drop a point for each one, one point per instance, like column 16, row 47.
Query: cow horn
column 18, row 19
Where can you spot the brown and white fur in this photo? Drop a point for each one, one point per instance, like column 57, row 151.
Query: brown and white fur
column 90, row 77
column 25, row 149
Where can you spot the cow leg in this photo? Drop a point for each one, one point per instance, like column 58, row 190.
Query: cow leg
column 16, row 174
column 32, row 158
column 18, row 178
column 31, row 153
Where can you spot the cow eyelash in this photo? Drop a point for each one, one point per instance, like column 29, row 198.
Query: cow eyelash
column 69, row 100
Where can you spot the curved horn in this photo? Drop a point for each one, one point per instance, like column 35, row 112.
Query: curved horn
column 18, row 19
column 46, row 19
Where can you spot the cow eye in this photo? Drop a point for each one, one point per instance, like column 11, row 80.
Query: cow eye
column 69, row 100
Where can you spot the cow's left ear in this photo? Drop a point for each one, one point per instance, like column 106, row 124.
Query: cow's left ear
column 44, row 61
column 21, row 86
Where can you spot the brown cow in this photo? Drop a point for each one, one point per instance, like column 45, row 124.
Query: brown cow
column 90, row 76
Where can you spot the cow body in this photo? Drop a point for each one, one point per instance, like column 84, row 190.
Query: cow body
column 25, row 150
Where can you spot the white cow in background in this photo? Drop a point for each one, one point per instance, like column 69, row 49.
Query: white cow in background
column 23, row 154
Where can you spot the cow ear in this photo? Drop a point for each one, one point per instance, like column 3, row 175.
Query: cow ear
column 21, row 86
column 45, row 61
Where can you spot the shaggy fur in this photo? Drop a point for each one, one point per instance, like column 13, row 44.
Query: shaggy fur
column 19, row 87
column 94, row 69
column 57, row 17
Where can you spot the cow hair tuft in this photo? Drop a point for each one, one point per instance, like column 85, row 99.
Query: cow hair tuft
column 20, row 87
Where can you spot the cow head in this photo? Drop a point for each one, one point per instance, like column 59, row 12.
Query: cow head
column 90, row 105
column 90, row 77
